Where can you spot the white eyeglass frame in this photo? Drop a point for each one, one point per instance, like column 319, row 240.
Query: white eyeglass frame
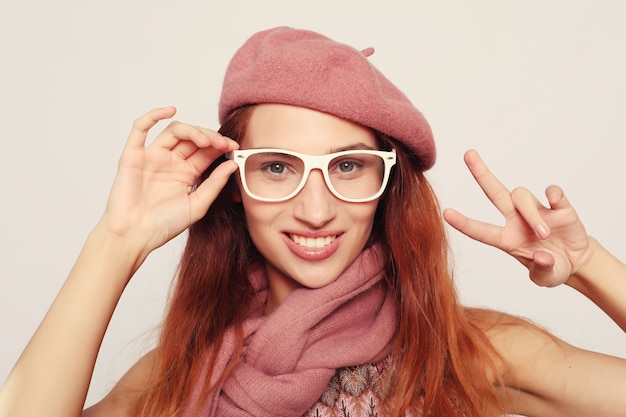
column 312, row 162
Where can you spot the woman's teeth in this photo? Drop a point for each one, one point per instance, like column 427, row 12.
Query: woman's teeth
column 312, row 242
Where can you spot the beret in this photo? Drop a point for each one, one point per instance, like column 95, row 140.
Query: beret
column 306, row 69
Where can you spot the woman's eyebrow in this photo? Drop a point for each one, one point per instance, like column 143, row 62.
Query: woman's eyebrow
column 356, row 146
column 351, row 147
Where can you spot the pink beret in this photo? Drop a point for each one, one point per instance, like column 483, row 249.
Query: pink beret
column 306, row 69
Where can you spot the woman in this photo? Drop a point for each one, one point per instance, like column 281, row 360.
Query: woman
column 325, row 254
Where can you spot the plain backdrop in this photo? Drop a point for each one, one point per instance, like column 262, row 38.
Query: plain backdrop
column 537, row 86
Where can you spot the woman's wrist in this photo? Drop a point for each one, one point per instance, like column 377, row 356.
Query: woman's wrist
column 121, row 252
column 602, row 279
column 600, row 268
column 588, row 270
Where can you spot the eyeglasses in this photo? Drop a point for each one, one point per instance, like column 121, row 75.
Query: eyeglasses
column 274, row 175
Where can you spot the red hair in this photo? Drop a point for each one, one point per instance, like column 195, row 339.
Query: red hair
column 210, row 295
column 442, row 356
column 444, row 362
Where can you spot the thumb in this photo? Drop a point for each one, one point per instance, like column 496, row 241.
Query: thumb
column 206, row 193
column 543, row 271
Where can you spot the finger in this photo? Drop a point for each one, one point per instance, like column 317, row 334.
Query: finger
column 562, row 214
column 556, row 198
column 530, row 208
column 495, row 191
column 178, row 132
column 542, row 270
column 215, row 141
column 184, row 149
column 487, row 233
column 207, row 192
column 543, row 259
column 202, row 158
column 184, row 140
column 141, row 126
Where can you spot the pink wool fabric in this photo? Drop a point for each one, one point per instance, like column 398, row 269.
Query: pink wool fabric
column 306, row 69
column 290, row 356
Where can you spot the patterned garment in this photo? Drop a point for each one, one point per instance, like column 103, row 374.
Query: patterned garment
column 355, row 391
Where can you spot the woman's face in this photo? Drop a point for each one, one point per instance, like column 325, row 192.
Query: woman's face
column 310, row 239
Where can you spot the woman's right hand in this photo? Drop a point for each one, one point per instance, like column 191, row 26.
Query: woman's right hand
column 153, row 197
column 152, row 200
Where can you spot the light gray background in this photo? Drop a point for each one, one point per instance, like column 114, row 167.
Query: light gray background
column 536, row 86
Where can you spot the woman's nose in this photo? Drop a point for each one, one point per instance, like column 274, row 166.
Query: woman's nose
column 315, row 203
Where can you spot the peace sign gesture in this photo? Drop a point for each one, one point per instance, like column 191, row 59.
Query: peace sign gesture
column 550, row 241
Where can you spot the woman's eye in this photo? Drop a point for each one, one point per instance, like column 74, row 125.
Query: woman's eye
column 347, row 166
column 275, row 167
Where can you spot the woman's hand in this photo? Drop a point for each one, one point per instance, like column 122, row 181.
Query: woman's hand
column 152, row 200
column 550, row 241
column 153, row 197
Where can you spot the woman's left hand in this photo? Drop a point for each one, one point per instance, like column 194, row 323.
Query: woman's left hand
column 550, row 241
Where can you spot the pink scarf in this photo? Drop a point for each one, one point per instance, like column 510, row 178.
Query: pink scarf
column 290, row 356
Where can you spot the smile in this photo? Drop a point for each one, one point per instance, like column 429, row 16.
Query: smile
column 312, row 242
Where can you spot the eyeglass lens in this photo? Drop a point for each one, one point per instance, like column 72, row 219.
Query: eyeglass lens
column 276, row 175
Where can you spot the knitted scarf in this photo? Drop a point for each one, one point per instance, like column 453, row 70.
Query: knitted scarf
column 290, row 355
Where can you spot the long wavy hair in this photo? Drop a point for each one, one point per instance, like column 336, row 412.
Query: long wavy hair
column 444, row 363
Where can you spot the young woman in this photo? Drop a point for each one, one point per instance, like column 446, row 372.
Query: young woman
column 315, row 281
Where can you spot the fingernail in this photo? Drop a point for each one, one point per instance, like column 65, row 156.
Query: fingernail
column 542, row 231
